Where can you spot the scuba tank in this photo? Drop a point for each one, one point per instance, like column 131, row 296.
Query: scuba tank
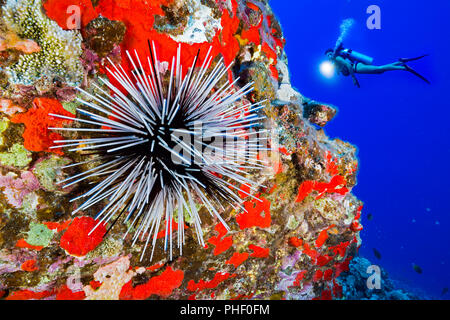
column 353, row 56
column 356, row 56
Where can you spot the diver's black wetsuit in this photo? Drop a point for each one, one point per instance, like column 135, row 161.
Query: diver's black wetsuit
column 345, row 70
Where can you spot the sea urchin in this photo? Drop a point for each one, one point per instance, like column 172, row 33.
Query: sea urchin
column 162, row 144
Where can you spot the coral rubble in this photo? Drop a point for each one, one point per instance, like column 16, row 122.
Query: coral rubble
column 294, row 239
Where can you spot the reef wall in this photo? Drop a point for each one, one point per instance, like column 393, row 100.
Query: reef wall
column 292, row 244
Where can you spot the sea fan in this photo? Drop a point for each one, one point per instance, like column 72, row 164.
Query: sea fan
column 165, row 145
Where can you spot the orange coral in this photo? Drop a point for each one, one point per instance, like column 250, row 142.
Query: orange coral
column 300, row 276
column 304, row 190
column 318, row 275
column 29, row 265
column 337, row 184
column 259, row 252
column 58, row 10
column 161, row 285
column 323, row 260
column 342, row 266
column 328, row 275
column 253, row 217
column 355, row 225
column 323, row 236
column 237, row 259
column 331, row 165
column 244, row 191
column 23, row 244
column 221, row 245
column 28, row 295
column 37, row 121
column 155, row 267
column 202, row 284
column 58, row 226
column 295, row 242
column 64, row 293
column 340, row 249
column 139, row 17
column 95, row 284
column 77, row 241
column 313, row 254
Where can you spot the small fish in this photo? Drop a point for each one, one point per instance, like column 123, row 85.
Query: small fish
column 376, row 253
column 417, row 268
column 370, row 217
column 444, row 291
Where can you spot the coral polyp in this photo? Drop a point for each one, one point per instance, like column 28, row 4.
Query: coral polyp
column 60, row 50
column 164, row 145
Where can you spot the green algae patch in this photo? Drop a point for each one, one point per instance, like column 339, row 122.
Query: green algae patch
column 30, row 203
column 4, row 123
column 17, row 156
column 292, row 223
column 39, row 235
column 47, row 171
column 71, row 106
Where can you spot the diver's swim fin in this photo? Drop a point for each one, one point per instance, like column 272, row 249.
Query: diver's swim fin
column 404, row 60
column 414, row 72
column 409, row 69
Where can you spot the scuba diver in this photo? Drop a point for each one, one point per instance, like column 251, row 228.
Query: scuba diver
column 349, row 62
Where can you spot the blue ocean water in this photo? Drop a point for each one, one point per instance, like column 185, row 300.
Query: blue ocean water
column 399, row 123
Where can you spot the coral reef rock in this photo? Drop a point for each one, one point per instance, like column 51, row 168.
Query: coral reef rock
column 58, row 57
column 292, row 242
column 361, row 282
